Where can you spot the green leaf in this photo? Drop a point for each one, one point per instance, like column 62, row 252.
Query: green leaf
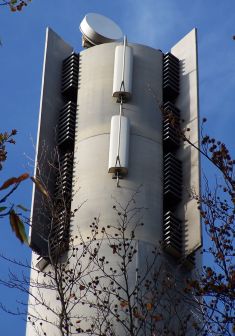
column 18, row 227
column 3, row 208
column 39, row 186
column 22, row 207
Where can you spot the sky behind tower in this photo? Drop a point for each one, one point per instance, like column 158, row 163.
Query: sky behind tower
column 157, row 23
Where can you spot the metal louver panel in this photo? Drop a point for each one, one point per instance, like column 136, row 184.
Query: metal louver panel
column 171, row 110
column 171, row 139
column 172, row 234
column 59, row 236
column 171, row 67
column 66, row 128
column 70, row 70
column 171, row 127
column 64, row 177
column 172, row 180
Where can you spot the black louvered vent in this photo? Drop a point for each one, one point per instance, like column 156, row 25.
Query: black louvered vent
column 172, row 234
column 172, row 180
column 59, row 236
column 70, row 70
column 172, row 167
column 64, row 177
column 66, row 127
column 171, row 127
column 171, row 67
column 190, row 261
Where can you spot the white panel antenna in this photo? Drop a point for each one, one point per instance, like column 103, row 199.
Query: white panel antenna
column 123, row 68
column 119, row 145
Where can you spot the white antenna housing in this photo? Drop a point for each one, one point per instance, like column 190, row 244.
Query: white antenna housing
column 98, row 29
column 119, row 145
column 122, row 74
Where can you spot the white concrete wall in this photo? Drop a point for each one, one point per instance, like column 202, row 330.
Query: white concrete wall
column 188, row 103
column 92, row 184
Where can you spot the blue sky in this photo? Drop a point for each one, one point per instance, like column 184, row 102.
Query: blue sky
column 157, row 23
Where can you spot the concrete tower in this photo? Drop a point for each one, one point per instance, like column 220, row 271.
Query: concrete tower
column 108, row 133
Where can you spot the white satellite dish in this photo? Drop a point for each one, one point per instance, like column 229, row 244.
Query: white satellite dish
column 98, row 29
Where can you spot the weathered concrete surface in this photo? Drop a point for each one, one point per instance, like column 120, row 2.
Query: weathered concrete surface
column 96, row 106
column 186, row 51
